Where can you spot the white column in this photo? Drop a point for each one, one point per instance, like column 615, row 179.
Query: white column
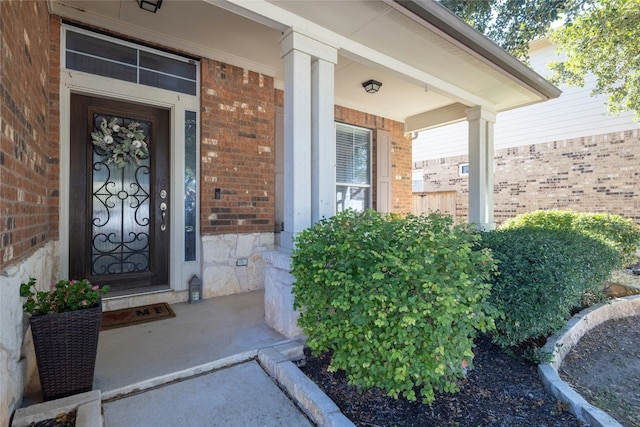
column 309, row 164
column 323, row 141
column 297, row 140
column 309, row 134
column 481, row 158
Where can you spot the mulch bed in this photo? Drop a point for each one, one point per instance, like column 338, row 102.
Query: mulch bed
column 500, row 391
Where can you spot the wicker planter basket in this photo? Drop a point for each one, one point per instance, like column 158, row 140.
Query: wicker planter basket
column 66, row 345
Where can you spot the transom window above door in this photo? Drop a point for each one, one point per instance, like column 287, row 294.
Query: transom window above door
column 353, row 168
column 110, row 57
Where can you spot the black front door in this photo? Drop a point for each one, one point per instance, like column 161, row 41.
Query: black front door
column 119, row 201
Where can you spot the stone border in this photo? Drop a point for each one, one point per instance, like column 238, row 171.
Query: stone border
column 88, row 406
column 276, row 361
column 561, row 343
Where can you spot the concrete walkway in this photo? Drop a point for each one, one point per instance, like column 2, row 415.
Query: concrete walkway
column 202, row 337
column 242, row 395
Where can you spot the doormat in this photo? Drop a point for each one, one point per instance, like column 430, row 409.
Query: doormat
column 136, row 315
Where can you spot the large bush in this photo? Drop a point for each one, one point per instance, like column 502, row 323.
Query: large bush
column 398, row 301
column 622, row 233
column 543, row 275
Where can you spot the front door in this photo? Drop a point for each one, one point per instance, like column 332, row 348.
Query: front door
column 119, row 201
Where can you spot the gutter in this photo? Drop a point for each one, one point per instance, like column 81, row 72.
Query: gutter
column 448, row 23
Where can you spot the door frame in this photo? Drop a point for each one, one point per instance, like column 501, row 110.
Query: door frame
column 177, row 103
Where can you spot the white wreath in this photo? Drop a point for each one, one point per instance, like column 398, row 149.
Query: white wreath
column 122, row 144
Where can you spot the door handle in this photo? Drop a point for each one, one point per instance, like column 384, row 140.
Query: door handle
column 163, row 215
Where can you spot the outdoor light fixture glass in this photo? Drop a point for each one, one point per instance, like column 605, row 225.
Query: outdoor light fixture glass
column 371, row 86
column 195, row 289
column 149, row 5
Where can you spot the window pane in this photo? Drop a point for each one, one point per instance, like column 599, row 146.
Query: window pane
column 353, row 155
column 190, row 190
column 167, row 65
column 162, row 81
column 357, row 198
column 101, row 67
column 102, row 48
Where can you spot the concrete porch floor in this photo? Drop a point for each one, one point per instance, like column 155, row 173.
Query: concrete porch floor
column 208, row 335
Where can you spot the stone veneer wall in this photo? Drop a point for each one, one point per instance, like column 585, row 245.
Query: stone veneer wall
column 593, row 174
column 221, row 252
column 17, row 359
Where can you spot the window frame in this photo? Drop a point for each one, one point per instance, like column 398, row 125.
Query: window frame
column 137, row 67
column 369, row 186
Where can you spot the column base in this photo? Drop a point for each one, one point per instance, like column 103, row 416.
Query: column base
column 278, row 298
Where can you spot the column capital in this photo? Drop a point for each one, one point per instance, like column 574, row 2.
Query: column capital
column 294, row 40
column 477, row 113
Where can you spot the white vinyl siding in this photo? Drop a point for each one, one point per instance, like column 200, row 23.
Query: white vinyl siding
column 574, row 114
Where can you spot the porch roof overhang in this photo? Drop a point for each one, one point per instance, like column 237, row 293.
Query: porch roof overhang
column 433, row 66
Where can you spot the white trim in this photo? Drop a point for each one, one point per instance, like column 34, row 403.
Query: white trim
column 84, row 83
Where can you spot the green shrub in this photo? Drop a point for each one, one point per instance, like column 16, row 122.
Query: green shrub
column 397, row 300
column 543, row 275
column 622, row 233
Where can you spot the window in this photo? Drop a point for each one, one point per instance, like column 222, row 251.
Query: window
column 353, row 168
column 463, row 169
column 190, row 183
column 109, row 57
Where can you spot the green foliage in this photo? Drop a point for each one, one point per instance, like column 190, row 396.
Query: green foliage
column 513, row 24
column 543, row 275
column 603, row 41
column 66, row 295
column 621, row 233
column 599, row 37
column 397, row 300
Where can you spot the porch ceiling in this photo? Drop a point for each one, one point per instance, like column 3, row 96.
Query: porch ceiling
column 429, row 75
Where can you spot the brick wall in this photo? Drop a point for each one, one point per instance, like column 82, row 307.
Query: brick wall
column 26, row 181
column 237, row 150
column 54, row 126
column 400, row 154
column 593, row 174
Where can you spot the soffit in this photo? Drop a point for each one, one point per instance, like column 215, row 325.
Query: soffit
column 233, row 33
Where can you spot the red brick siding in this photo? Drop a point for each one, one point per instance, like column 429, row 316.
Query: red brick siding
column 54, row 127
column 400, row 154
column 593, row 174
column 237, row 150
column 26, row 185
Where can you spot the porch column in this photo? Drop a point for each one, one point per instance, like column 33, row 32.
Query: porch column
column 323, row 138
column 297, row 138
column 481, row 158
column 309, row 164
column 309, row 133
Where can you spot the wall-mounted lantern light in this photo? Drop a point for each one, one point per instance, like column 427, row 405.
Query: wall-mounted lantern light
column 149, row 5
column 371, row 86
column 195, row 289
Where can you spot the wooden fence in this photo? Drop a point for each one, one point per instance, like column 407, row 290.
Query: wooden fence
column 443, row 201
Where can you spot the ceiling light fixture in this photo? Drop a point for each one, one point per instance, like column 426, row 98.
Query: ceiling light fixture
column 371, row 86
column 149, row 5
